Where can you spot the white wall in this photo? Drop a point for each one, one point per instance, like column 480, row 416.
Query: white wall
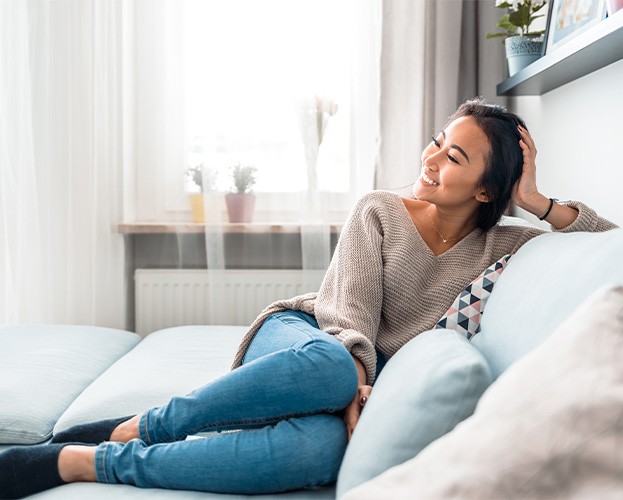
column 578, row 130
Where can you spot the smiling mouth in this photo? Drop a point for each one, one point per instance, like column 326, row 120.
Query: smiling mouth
column 428, row 180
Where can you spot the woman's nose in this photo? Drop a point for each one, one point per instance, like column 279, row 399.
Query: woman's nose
column 431, row 161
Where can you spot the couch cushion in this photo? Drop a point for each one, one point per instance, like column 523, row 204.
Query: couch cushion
column 549, row 427
column 167, row 363
column 543, row 283
column 100, row 491
column 431, row 384
column 43, row 368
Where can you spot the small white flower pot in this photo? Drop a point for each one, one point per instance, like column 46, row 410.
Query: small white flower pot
column 522, row 51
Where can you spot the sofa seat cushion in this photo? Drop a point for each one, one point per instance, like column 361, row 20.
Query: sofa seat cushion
column 549, row 427
column 99, row 491
column 167, row 363
column 430, row 385
column 43, row 368
column 547, row 279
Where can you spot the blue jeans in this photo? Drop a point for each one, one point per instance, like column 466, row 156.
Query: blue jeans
column 274, row 424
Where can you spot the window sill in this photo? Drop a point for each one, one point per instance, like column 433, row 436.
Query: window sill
column 198, row 228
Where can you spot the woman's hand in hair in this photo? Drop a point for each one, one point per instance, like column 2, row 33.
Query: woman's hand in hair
column 527, row 196
column 354, row 409
column 525, row 193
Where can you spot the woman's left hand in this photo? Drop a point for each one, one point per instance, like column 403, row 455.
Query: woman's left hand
column 525, row 192
column 527, row 196
column 354, row 409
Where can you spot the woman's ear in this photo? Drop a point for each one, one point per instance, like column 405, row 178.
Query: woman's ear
column 483, row 197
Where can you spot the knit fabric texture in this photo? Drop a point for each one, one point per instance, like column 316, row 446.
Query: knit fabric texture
column 384, row 285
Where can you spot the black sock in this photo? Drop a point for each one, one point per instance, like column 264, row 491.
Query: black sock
column 92, row 433
column 26, row 470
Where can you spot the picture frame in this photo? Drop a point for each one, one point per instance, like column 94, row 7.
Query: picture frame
column 568, row 18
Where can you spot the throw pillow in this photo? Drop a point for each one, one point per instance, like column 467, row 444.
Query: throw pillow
column 467, row 309
column 431, row 384
column 549, row 427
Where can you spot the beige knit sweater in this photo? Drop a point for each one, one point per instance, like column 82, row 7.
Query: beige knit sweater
column 384, row 286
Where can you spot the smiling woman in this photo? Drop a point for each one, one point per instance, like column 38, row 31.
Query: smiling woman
column 467, row 175
column 392, row 277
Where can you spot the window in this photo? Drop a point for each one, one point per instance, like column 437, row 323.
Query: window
column 232, row 79
column 249, row 66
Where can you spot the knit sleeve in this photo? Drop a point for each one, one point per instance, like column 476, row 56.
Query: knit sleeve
column 587, row 220
column 350, row 298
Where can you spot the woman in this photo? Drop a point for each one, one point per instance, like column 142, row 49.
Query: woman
column 306, row 367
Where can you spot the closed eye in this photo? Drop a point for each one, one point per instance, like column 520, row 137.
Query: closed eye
column 450, row 157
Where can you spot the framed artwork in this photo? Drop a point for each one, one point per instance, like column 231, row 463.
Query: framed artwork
column 568, row 18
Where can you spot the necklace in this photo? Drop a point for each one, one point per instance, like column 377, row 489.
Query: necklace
column 445, row 240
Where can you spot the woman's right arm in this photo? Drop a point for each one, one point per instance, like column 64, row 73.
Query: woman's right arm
column 565, row 217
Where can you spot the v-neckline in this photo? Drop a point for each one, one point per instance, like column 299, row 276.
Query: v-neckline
column 411, row 222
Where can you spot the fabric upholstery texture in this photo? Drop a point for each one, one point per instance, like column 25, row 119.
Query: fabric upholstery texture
column 550, row 427
column 429, row 386
column 167, row 363
column 465, row 313
column 43, row 368
column 544, row 282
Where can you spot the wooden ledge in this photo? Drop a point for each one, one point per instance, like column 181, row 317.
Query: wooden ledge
column 199, row 228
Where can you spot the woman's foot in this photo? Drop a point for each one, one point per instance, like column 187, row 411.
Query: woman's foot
column 26, row 470
column 100, row 431
column 126, row 430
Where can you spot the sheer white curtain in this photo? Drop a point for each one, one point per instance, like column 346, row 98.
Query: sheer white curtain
column 61, row 161
column 226, row 81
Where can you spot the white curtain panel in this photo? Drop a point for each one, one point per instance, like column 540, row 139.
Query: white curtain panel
column 61, row 162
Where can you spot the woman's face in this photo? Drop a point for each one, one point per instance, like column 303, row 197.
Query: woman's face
column 452, row 166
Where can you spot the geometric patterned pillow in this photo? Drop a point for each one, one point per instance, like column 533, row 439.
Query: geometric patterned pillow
column 465, row 312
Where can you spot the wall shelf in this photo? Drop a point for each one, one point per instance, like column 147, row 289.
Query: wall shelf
column 594, row 49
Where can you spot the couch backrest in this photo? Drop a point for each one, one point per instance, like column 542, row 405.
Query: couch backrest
column 544, row 282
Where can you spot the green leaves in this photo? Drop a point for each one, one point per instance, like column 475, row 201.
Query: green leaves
column 519, row 19
column 506, row 22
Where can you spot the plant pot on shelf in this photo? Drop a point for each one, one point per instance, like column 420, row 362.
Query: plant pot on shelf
column 522, row 51
column 240, row 206
column 196, row 207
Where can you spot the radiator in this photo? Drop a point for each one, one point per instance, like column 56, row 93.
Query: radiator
column 172, row 297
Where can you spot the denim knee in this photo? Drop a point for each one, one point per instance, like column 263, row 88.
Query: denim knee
column 333, row 366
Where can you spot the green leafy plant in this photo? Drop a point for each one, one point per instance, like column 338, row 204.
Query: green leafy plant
column 203, row 178
column 520, row 15
column 243, row 177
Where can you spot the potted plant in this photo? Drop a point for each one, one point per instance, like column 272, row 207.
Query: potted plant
column 202, row 181
column 523, row 46
column 241, row 201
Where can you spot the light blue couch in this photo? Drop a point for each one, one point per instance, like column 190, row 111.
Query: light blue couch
column 53, row 377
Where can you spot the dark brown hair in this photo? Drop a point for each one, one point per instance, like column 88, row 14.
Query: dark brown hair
column 504, row 161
